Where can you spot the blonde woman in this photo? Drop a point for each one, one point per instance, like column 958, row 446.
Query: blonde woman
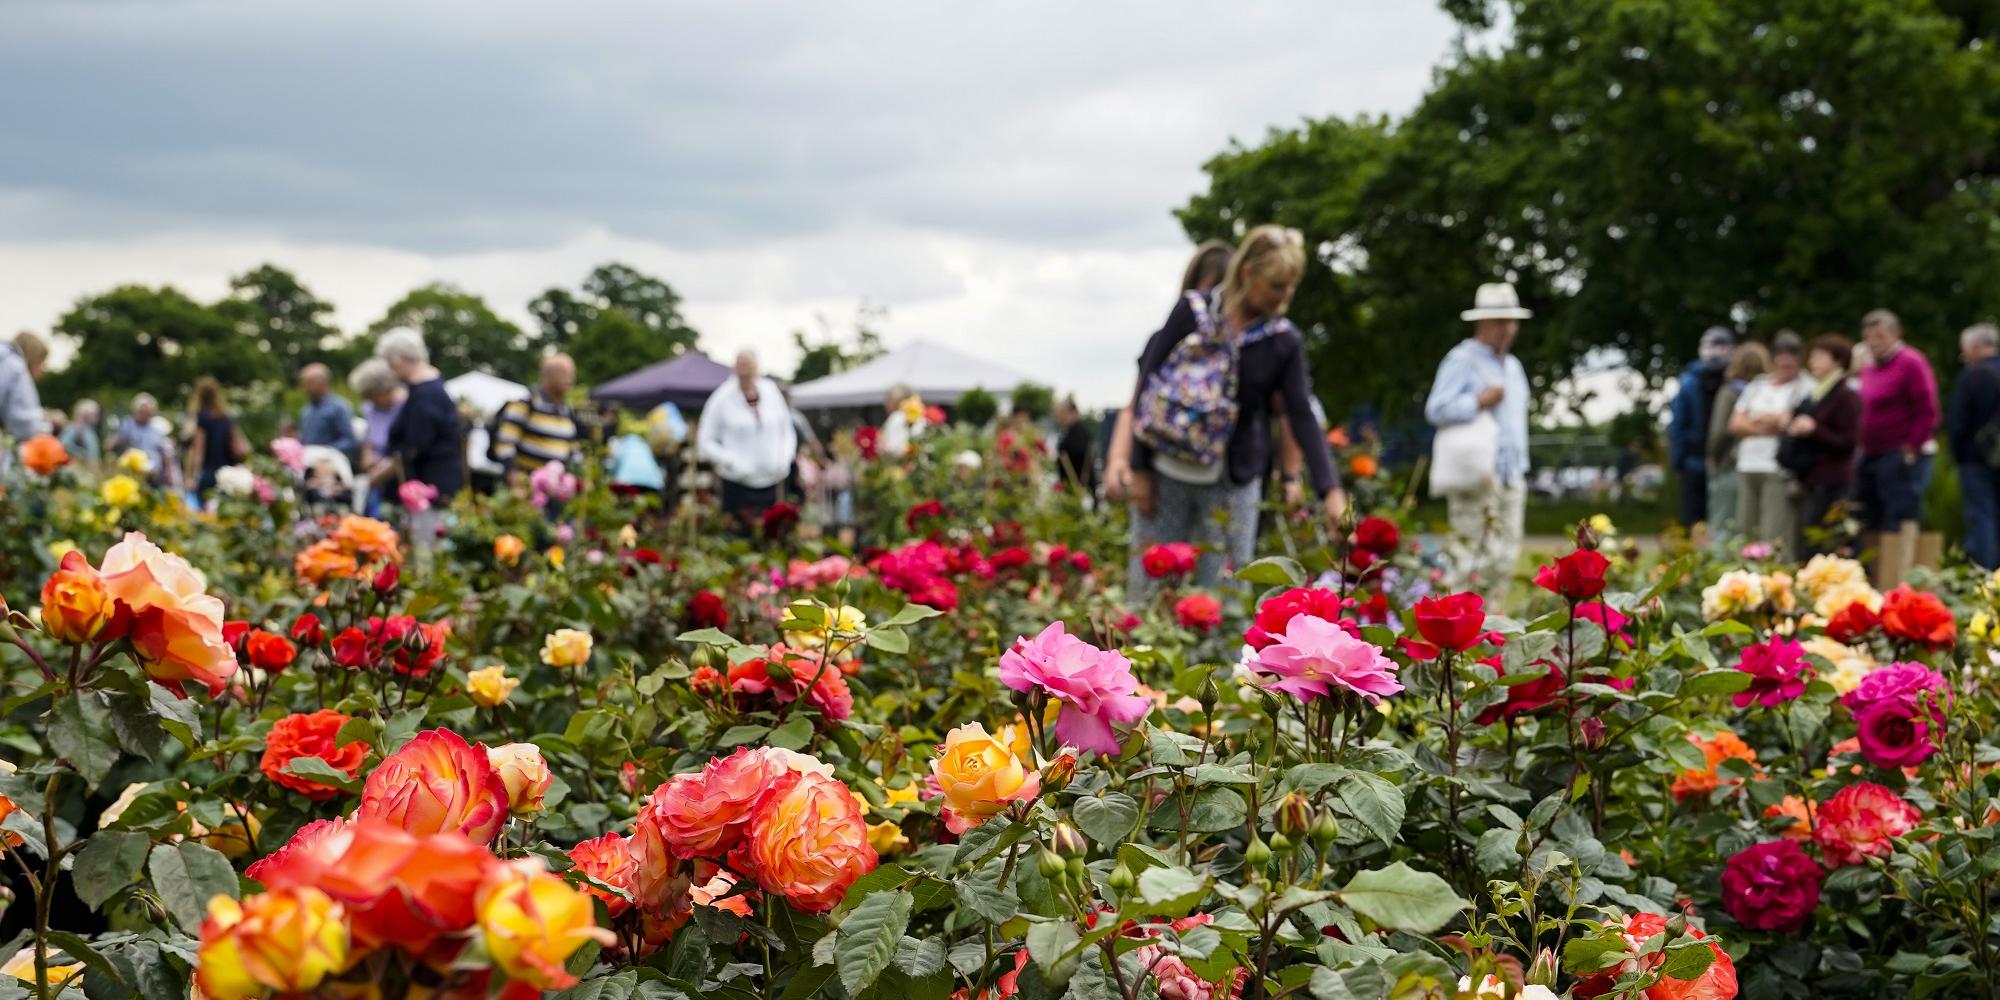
column 1215, row 505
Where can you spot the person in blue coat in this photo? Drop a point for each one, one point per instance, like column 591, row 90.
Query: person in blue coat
column 1687, row 425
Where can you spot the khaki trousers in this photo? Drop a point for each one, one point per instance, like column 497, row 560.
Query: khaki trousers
column 1485, row 543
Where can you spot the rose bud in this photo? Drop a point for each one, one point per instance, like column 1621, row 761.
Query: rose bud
column 1295, row 815
column 1059, row 771
column 76, row 608
column 387, row 578
column 1069, row 841
column 306, row 630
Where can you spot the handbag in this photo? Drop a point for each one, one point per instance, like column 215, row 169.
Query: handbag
column 1464, row 456
column 1796, row 454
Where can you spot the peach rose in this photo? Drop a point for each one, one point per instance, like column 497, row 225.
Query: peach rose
column 508, row 549
column 808, row 843
column 438, row 782
column 1725, row 745
column 703, row 815
column 285, row 941
column 978, row 776
column 176, row 625
column 366, row 537
column 525, row 773
column 399, row 888
column 533, row 922
column 660, row 882
column 607, row 859
column 76, row 607
column 715, row 890
column 325, row 561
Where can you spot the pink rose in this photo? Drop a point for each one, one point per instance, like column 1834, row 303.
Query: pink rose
column 1777, row 672
column 416, row 496
column 1312, row 654
column 1095, row 686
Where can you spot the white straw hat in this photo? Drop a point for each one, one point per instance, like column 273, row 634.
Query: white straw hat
column 1496, row 301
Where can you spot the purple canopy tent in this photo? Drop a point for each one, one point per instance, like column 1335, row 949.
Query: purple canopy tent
column 685, row 381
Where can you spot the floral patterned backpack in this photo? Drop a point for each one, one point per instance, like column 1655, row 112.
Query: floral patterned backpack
column 1187, row 408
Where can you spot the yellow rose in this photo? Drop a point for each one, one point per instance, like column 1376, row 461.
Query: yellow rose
column 525, row 773
column 533, row 922
column 1601, row 524
column 134, row 460
column 120, row 491
column 1983, row 628
column 507, row 549
column 841, row 627
column 1829, row 572
column 230, row 838
column 1734, row 593
column 489, row 686
column 904, row 796
column 887, row 838
column 978, row 777
column 566, row 647
column 628, row 537
column 913, row 410
column 22, row 966
column 555, row 556
column 1836, row 598
column 283, row 941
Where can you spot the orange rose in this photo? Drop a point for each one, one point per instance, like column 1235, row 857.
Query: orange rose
column 324, row 561
column 399, row 888
column 978, row 776
column 715, row 890
column 287, row 941
column 808, row 843
column 607, row 859
column 659, row 881
column 703, row 815
column 507, row 549
column 176, row 625
column 76, row 608
column 1363, row 466
column 1724, row 746
column 533, row 922
column 43, row 454
column 366, row 537
column 438, row 782
column 1794, row 807
column 313, row 735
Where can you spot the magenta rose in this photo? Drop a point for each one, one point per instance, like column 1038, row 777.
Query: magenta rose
column 1895, row 733
column 1772, row 886
column 1907, row 682
column 1777, row 672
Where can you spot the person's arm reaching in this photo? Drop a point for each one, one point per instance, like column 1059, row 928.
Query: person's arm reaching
column 1297, row 386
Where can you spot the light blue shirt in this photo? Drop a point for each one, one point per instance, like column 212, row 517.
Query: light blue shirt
column 1467, row 370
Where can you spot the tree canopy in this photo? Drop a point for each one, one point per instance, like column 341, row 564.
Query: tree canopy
column 1643, row 171
column 621, row 319
column 832, row 352
column 463, row 333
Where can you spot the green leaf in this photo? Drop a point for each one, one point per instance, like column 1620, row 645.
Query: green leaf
column 1403, row 898
column 709, row 637
column 317, row 769
column 912, row 614
column 736, row 736
column 1715, row 682
column 80, row 731
column 868, row 938
column 1171, row 892
column 1376, row 802
column 889, row 640
column 920, row 957
column 807, row 982
column 795, row 733
column 1049, row 946
column 80, row 950
column 1273, row 571
column 1688, row 960
column 980, row 893
column 110, row 861
column 1107, row 818
column 186, row 876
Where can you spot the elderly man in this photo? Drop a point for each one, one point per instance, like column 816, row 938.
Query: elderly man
column 20, row 367
column 746, row 433
column 1975, row 440
column 1481, row 378
column 1899, row 416
column 326, row 419
column 542, row 428
column 140, row 432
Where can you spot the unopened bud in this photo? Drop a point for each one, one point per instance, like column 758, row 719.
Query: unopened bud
column 1122, row 880
column 1077, row 870
column 1258, row 854
column 1069, row 841
column 1543, row 971
column 1281, row 844
column 778, row 671
column 1294, row 815
column 1053, row 865
column 1325, row 829
column 386, row 580
column 1591, row 730
column 700, row 656
column 1059, row 771
column 1209, row 696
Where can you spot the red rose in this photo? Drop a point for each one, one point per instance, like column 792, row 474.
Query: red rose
column 779, row 519
column 312, row 735
column 1852, row 623
column 1454, row 622
column 387, row 577
column 1199, row 612
column 1374, row 610
column 1011, row 557
column 422, row 648
column 1277, row 612
column 351, row 648
column 1171, row 559
column 306, row 629
column 1896, row 733
column 1528, row 697
column 1378, row 535
column 1080, row 561
column 1918, row 616
column 706, row 610
column 233, row 633
column 268, row 651
column 1578, row 576
column 1771, row 886
column 868, row 440
column 929, row 510
column 1007, row 533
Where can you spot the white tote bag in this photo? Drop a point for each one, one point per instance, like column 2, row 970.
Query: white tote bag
column 1463, row 455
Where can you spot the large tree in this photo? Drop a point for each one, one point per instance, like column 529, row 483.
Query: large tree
column 136, row 339
column 286, row 319
column 463, row 333
column 622, row 317
column 1644, row 170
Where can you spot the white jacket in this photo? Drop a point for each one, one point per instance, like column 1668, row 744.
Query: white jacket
column 753, row 448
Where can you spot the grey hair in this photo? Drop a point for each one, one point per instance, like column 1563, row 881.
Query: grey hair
column 1882, row 317
column 82, row 407
column 144, row 397
column 1984, row 334
column 405, row 344
column 372, row 376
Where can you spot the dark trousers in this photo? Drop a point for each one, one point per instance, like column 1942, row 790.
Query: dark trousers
column 1815, row 503
column 1890, row 489
column 745, row 505
column 1694, row 496
column 1976, row 487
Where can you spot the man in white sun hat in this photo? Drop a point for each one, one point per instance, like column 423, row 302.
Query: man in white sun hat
column 1479, row 462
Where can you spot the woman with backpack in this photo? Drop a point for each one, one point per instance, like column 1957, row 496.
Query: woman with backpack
column 1200, row 445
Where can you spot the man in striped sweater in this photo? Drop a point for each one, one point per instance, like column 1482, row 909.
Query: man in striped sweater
column 542, row 428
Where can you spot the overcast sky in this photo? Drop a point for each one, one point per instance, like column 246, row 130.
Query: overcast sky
column 999, row 175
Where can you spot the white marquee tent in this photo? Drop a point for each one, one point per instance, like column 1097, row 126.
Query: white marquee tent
column 486, row 393
column 937, row 373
